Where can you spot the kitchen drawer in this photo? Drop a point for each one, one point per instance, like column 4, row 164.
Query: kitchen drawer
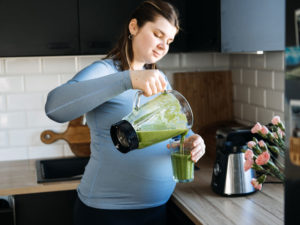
column 45, row 208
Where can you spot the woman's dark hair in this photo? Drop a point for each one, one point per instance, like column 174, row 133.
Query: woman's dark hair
column 147, row 11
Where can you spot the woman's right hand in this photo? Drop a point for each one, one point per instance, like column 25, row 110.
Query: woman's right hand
column 150, row 82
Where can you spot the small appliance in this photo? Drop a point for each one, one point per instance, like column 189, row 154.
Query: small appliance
column 166, row 116
column 229, row 177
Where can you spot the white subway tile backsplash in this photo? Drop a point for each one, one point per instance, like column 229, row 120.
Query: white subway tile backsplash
column 25, row 101
column 242, row 93
column 236, row 76
column 25, row 137
column 67, row 151
column 22, row 65
column 11, row 84
column 237, row 110
column 84, row 61
column 275, row 60
column 3, row 139
column 221, row 60
column 249, row 77
column 66, row 77
column 265, row 79
column 279, row 81
column 39, row 119
column 8, row 154
column 169, row 61
column 239, row 61
column 197, row 60
column 1, row 66
column 47, row 151
column 264, row 116
column 275, row 100
column 258, row 96
column 35, row 83
column 257, row 61
column 2, row 103
column 12, row 120
column 266, row 96
column 22, row 104
column 63, row 64
column 249, row 113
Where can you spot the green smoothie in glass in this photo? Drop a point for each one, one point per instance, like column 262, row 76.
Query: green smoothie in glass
column 182, row 165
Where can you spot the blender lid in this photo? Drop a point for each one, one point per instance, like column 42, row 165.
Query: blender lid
column 124, row 136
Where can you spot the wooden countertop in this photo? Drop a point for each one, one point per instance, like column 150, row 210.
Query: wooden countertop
column 195, row 199
column 19, row 177
column 204, row 207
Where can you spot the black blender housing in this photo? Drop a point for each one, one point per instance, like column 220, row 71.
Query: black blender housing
column 124, row 136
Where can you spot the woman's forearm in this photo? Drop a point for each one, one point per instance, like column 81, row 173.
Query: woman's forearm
column 73, row 99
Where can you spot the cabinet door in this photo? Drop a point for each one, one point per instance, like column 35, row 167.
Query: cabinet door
column 34, row 27
column 203, row 25
column 250, row 26
column 101, row 23
column 50, row 208
column 292, row 22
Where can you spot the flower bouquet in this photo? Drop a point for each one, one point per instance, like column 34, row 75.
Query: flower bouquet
column 263, row 155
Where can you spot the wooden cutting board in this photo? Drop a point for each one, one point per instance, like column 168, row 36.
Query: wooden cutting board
column 211, row 99
column 77, row 136
column 209, row 94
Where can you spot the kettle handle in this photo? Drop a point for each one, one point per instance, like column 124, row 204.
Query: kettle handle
column 137, row 98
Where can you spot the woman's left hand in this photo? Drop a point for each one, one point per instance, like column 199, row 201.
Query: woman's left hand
column 197, row 146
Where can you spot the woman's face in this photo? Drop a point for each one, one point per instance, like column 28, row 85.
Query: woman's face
column 151, row 42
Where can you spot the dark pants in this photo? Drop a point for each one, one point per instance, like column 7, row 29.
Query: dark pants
column 85, row 215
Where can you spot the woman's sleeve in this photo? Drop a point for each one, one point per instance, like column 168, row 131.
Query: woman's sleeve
column 88, row 89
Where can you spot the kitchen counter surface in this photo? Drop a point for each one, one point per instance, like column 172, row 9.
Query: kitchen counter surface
column 195, row 199
column 19, row 177
column 204, row 207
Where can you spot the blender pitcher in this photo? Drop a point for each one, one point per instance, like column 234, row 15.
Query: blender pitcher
column 166, row 116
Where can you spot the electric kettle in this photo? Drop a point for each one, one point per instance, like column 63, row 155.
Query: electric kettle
column 229, row 177
column 166, row 116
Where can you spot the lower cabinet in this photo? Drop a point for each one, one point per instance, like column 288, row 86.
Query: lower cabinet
column 45, row 208
column 6, row 211
column 56, row 208
column 175, row 216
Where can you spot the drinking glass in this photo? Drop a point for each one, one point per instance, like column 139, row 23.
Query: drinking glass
column 182, row 164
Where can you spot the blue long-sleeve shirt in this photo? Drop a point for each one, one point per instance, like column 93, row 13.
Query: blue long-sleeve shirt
column 112, row 180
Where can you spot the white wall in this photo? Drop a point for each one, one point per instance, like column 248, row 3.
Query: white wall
column 25, row 82
column 258, row 86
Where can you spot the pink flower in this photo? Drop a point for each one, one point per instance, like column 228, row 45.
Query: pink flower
column 281, row 133
column 263, row 158
column 248, row 164
column 275, row 135
column 276, row 120
column 256, row 184
column 248, row 154
column 251, row 144
column 261, row 144
column 257, row 127
column 264, row 130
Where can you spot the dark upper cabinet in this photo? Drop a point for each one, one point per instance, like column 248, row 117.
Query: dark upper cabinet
column 38, row 28
column 81, row 27
column 101, row 23
column 203, row 25
column 249, row 26
column 292, row 22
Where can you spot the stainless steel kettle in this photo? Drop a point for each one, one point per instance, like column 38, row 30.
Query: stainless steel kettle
column 229, row 177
